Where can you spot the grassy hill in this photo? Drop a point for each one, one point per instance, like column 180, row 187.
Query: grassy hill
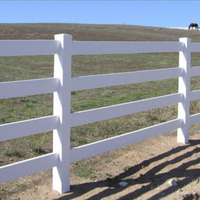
column 33, row 67
column 86, row 32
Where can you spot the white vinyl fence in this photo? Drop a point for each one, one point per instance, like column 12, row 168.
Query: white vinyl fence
column 62, row 84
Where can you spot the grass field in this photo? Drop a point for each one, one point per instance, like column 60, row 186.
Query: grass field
column 33, row 67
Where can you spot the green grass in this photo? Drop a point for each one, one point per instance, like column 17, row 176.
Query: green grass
column 23, row 67
column 36, row 67
column 122, row 94
column 8, row 153
column 98, row 64
column 23, row 108
column 36, row 142
column 15, row 153
column 83, row 172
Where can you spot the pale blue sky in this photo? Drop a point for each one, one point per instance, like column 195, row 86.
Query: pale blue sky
column 145, row 13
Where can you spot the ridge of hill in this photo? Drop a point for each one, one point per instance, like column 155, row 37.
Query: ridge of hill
column 91, row 32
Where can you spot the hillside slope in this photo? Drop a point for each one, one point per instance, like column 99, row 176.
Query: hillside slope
column 146, row 166
column 85, row 32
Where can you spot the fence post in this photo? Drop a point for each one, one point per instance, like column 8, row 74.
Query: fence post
column 184, row 88
column 61, row 108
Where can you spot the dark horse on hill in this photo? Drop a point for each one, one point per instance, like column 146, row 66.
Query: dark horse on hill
column 193, row 25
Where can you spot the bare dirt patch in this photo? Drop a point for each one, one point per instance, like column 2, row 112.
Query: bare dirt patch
column 146, row 167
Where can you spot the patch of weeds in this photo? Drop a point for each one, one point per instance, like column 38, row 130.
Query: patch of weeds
column 7, row 153
column 3, row 119
column 153, row 117
column 34, row 101
column 83, row 172
column 14, row 153
column 120, row 133
column 108, row 160
column 111, row 126
column 35, row 142
column 1, row 101
column 28, row 105
column 82, row 141
column 36, row 149
column 24, row 100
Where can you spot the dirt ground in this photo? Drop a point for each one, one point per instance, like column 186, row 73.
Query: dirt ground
column 146, row 167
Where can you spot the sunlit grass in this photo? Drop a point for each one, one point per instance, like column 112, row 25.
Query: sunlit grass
column 36, row 67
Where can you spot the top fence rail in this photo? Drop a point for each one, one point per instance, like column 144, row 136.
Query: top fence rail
column 50, row 47
column 88, row 48
column 29, row 47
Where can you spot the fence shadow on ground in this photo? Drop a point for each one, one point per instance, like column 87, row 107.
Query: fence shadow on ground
column 151, row 178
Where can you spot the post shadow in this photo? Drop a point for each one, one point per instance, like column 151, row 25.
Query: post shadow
column 150, row 176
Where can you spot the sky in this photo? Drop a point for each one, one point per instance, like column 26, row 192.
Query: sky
column 142, row 13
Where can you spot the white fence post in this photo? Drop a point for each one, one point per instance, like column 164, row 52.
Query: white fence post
column 62, row 105
column 184, row 88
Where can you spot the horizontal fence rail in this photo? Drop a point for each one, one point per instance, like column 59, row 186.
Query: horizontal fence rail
column 91, row 48
column 28, row 127
column 62, row 84
column 110, row 144
column 194, row 119
column 28, row 47
column 30, row 87
column 27, row 167
column 99, row 114
column 195, row 47
column 106, row 80
column 194, row 95
column 195, row 71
